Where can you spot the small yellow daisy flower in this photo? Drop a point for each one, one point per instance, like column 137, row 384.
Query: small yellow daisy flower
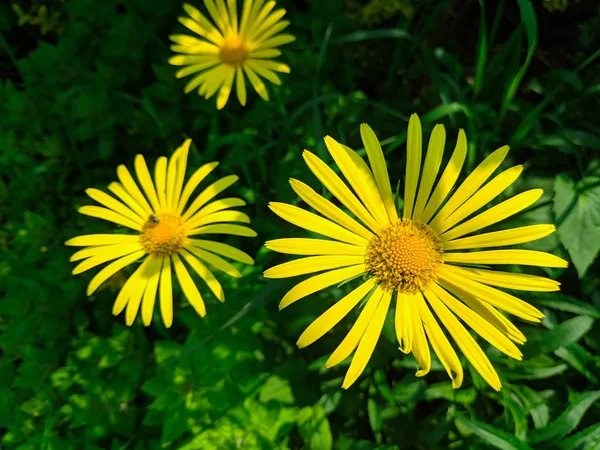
column 416, row 255
column 230, row 50
column 164, row 225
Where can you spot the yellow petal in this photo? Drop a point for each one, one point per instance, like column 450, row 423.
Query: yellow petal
column 208, row 194
column 334, row 315
column 223, row 216
column 166, row 293
column 222, row 249
column 97, row 250
column 204, row 273
column 482, row 197
column 106, row 253
column 433, row 159
column 180, row 172
column 316, row 224
column 465, row 341
column 362, row 182
column 207, row 29
column 160, row 178
column 336, row 186
column 172, row 178
column 502, row 238
column 109, row 215
column 413, row 164
column 262, row 71
column 151, row 289
column 440, row 344
column 508, row 280
column 235, row 230
column 320, row 282
column 448, row 178
column 311, row 264
column 119, row 191
column 523, row 257
column 403, row 322
column 132, row 283
column 468, row 187
column 111, row 269
column 276, row 41
column 240, row 86
column 114, row 205
column 420, row 347
column 102, row 239
column 225, row 90
column 267, row 23
column 258, row 85
column 132, row 189
column 215, row 206
column 328, row 209
column 215, row 261
column 143, row 175
column 368, row 341
column 499, row 299
column 495, row 214
column 189, row 288
column 305, row 246
column 380, row 172
column 193, row 183
column 146, row 272
column 357, row 331
column 482, row 326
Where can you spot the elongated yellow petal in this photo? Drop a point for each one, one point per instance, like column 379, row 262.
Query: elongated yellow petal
column 334, row 315
column 433, row 160
column 336, row 186
column 106, row 253
column 111, row 269
column 377, row 161
column 114, row 205
column 502, row 238
column 493, row 317
column 102, row 239
column 311, row 264
column 403, row 322
column 223, row 216
column 482, row 197
column 495, row 214
column 222, row 249
column 172, row 178
column 223, row 228
column 265, row 42
column 181, row 167
column 160, row 178
column 188, row 286
column 143, row 176
column 98, row 250
column 240, row 86
column 166, row 293
column 119, row 191
column 368, row 341
column 306, row 246
column 258, row 85
column 413, row 164
column 216, row 206
column 204, row 28
column 208, row 194
column 109, row 215
column 468, row 187
column 440, row 344
column 482, row 326
column 464, row 340
column 508, row 280
column 215, row 261
column 499, row 299
column 226, row 89
column 357, row 331
column 149, row 297
column 362, row 183
column 316, row 224
column 268, row 23
column 319, row 282
column 259, row 67
column 193, row 183
column 328, row 209
column 204, row 273
column 448, row 178
column 523, row 257
column 420, row 347
column 137, row 291
column 132, row 284
column 132, row 189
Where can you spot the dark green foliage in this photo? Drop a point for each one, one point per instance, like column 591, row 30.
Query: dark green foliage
column 84, row 86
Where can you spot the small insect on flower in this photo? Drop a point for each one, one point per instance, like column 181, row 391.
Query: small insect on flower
column 164, row 227
column 416, row 255
column 230, row 50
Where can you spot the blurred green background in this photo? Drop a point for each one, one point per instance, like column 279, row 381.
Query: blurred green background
column 84, row 86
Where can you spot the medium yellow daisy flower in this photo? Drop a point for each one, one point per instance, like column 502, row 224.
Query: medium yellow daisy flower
column 418, row 255
column 164, row 226
column 230, row 49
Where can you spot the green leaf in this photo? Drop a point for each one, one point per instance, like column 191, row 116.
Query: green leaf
column 565, row 303
column 492, row 435
column 561, row 335
column 577, row 210
column 359, row 36
column 588, row 439
column 567, row 421
column 314, row 428
column 374, row 411
column 277, row 389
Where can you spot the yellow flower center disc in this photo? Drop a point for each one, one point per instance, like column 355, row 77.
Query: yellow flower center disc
column 405, row 256
column 234, row 53
column 163, row 234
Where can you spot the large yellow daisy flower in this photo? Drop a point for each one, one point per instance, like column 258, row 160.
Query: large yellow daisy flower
column 231, row 50
column 164, row 226
column 418, row 255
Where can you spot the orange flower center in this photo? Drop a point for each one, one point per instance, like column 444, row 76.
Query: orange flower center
column 405, row 256
column 163, row 234
column 234, row 52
